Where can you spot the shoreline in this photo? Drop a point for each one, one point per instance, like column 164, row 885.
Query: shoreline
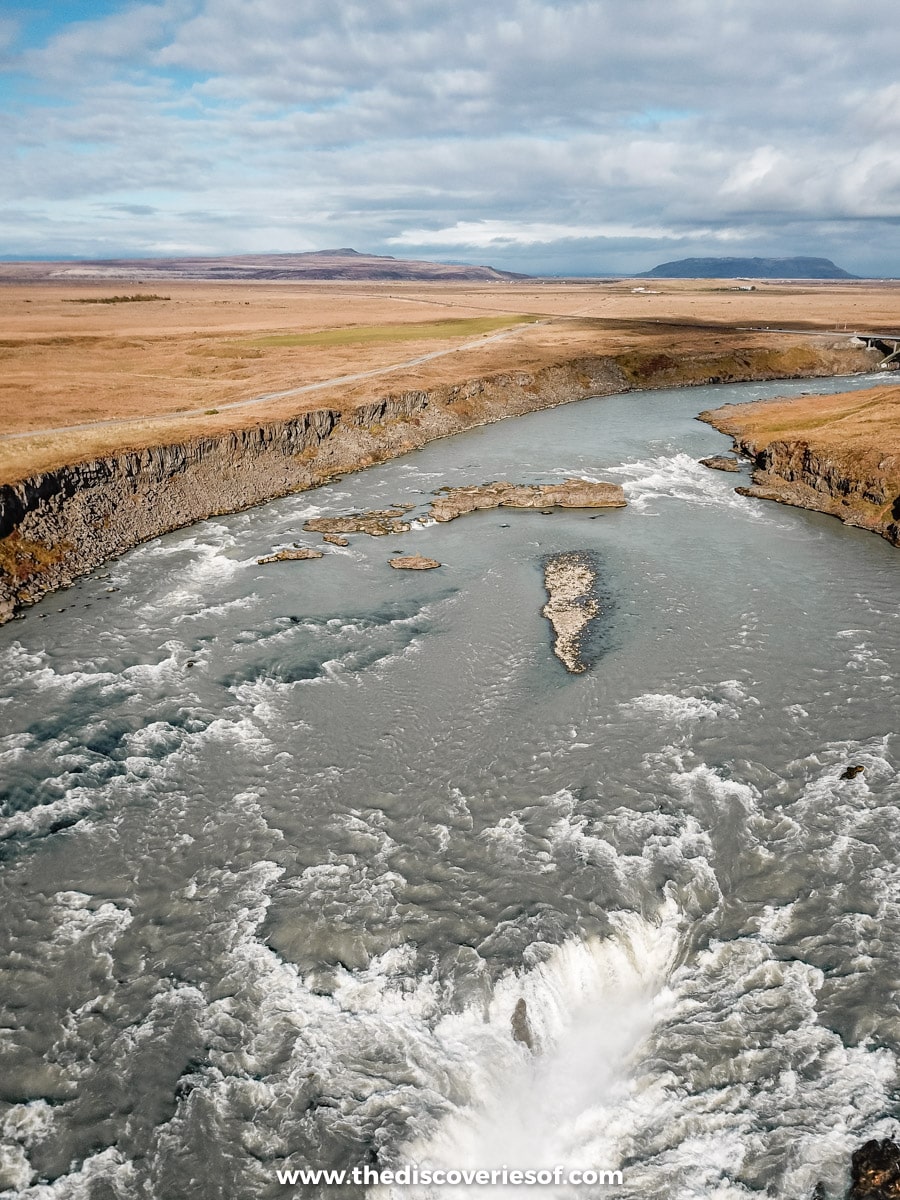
column 60, row 524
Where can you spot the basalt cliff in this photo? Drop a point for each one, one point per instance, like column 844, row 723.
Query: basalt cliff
column 838, row 455
column 60, row 524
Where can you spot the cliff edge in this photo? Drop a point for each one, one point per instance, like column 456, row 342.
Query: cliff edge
column 838, row 454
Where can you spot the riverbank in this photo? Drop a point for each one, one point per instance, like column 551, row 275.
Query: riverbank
column 59, row 524
column 837, row 454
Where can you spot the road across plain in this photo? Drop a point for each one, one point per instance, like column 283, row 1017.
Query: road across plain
column 131, row 422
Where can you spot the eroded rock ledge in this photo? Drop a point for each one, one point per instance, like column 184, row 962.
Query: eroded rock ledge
column 720, row 462
column 573, row 493
column 847, row 465
column 413, row 562
column 377, row 523
column 570, row 580
column 290, row 554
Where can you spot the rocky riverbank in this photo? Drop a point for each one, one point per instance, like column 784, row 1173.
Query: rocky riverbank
column 60, row 524
column 838, row 455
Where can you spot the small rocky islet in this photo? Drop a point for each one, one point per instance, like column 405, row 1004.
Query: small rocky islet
column 290, row 554
column 570, row 578
column 413, row 562
column 720, row 462
column 571, row 493
column 378, row 523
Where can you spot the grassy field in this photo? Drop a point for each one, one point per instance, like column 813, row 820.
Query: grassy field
column 848, row 422
column 410, row 332
column 72, row 354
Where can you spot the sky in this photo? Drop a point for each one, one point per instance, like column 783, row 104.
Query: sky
column 555, row 137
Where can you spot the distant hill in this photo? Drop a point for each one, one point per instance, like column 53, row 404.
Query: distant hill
column 346, row 264
column 749, row 268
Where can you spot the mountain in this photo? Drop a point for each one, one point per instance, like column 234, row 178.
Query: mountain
column 345, row 263
column 749, row 268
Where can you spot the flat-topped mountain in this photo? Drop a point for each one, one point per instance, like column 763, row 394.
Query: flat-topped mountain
column 345, row 263
column 749, row 268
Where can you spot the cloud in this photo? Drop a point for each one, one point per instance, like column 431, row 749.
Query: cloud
column 485, row 234
column 532, row 129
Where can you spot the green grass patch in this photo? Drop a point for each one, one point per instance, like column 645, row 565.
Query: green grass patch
column 406, row 332
column 137, row 298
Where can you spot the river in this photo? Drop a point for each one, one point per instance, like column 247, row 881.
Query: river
column 286, row 847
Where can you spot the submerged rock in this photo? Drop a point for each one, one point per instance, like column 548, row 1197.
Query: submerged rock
column 720, row 462
column 573, row 493
column 377, row 523
column 570, row 579
column 414, row 562
column 290, row 554
column 875, row 1171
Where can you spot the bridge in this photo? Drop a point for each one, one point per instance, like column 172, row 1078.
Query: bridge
column 887, row 344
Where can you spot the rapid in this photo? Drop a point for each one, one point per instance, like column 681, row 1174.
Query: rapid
column 321, row 863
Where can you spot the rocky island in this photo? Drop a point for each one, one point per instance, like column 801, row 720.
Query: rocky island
column 570, row 580
column 290, row 554
column 572, row 493
column 377, row 523
column 413, row 562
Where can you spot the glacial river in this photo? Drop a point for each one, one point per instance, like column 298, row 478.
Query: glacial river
column 285, row 847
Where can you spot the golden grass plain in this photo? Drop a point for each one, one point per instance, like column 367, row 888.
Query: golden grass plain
column 845, row 424
column 161, row 370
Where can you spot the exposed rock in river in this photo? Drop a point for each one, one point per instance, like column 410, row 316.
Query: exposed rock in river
column 377, row 523
column 570, row 579
column 414, row 562
column 335, row 539
column 291, row 553
column 852, row 772
column 875, row 1171
column 573, row 493
column 720, row 462
column 521, row 1026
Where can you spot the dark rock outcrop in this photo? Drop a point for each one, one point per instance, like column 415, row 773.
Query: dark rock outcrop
column 875, row 1171
column 852, row 772
column 798, row 474
column 720, row 462
column 521, row 1026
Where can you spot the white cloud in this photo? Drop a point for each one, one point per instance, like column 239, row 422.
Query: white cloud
column 632, row 128
column 485, row 234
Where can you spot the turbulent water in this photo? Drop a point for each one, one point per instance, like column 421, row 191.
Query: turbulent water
column 285, row 846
